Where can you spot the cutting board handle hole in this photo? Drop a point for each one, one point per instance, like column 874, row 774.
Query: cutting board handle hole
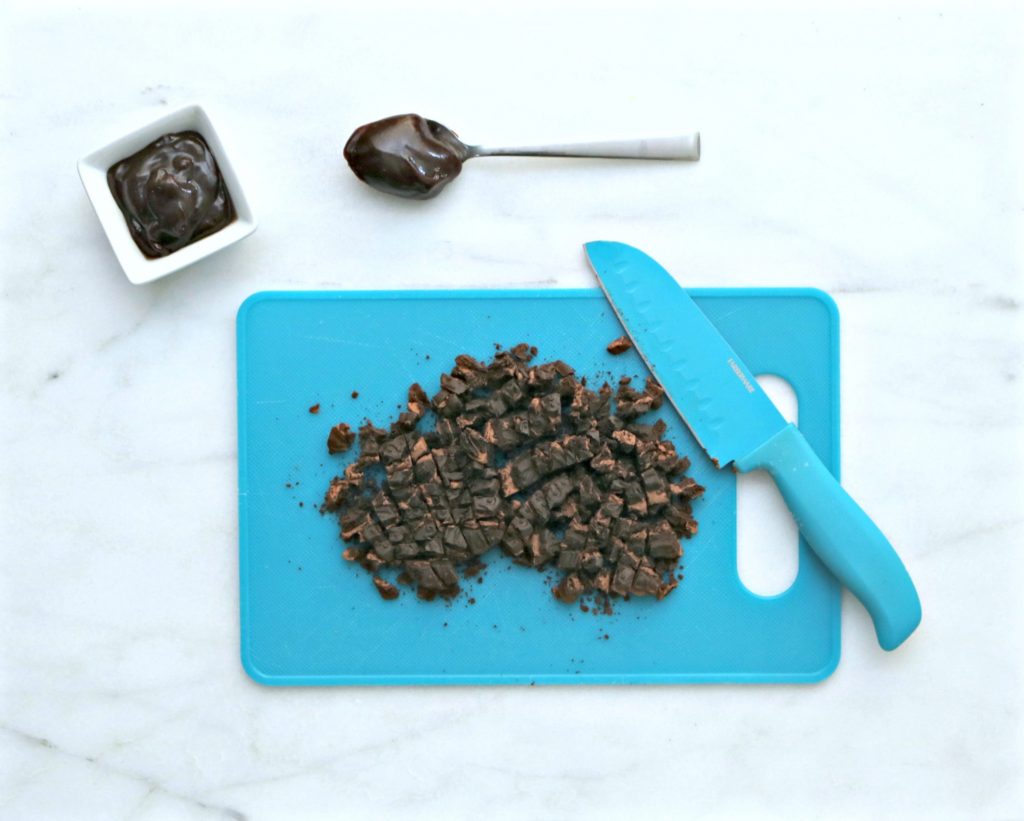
column 767, row 539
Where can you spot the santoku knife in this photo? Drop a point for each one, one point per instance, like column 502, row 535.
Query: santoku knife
column 736, row 423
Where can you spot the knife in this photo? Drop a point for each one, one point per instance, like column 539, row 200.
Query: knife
column 736, row 423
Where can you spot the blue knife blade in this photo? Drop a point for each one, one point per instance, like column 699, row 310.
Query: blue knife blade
column 734, row 421
column 714, row 392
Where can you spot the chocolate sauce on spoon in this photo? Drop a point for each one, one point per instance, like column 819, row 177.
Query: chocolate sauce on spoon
column 413, row 157
column 406, row 155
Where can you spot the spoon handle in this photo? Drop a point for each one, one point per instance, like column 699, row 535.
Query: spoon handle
column 685, row 147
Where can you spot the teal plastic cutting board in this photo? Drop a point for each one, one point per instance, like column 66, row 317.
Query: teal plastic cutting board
column 310, row 618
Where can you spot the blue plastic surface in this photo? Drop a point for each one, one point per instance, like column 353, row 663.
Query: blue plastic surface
column 309, row 618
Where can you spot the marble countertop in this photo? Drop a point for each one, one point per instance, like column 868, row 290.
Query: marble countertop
column 873, row 152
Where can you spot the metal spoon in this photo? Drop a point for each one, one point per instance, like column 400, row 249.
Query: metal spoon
column 413, row 157
column 685, row 147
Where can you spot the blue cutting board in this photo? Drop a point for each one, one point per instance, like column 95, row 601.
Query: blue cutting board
column 310, row 618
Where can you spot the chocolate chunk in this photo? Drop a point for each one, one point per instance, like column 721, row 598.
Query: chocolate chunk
column 476, row 538
column 353, row 523
column 335, row 495
column 387, row 590
column 419, row 449
column 394, row 449
column 453, row 384
column 557, row 490
column 524, row 471
column 425, row 470
column 663, row 543
column 370, row 439
column 655, row 487
column 612, row 506
column 654, row 390
column 636, row 499
column 569, row 560
column 340, row 438
column 486, row 506
column 512, row 543
column 423, row 575
column 418, row 403
column 445, row 572
column 371, row 562
column 620, row 345
column 475, row 446
column 637, row 540
column 399, row 535
column 575, row 536
column 453, row 537
column 622, row 581
column 536, row 508
column 629, row 559
column 542, row 547
column 424, row 531
column 687, row 488
column 400, row 473
column 433, row 547
column 569, row 589
column 447, row 404
column 625, row 440
column 645, row 582
column 667, row 588
column 385, row 510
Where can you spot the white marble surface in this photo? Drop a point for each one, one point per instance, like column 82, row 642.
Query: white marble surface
column 873, row 152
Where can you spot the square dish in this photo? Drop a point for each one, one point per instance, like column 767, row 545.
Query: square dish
column 93, row 171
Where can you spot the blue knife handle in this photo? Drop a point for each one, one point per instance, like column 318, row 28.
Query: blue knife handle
column 841, row 534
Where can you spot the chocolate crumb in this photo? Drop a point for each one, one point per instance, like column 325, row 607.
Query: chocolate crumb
column 620, row 345
column 314, row 408
column 355, row 394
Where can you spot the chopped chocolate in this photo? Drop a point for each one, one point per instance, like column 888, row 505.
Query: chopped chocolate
column 569, row 589
column 526, row 459
column 418, row 403
column 340, row 438
column 623, row 579
column 335, row 493
column 387, row 590
column 646, row 582
column 620, row 345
